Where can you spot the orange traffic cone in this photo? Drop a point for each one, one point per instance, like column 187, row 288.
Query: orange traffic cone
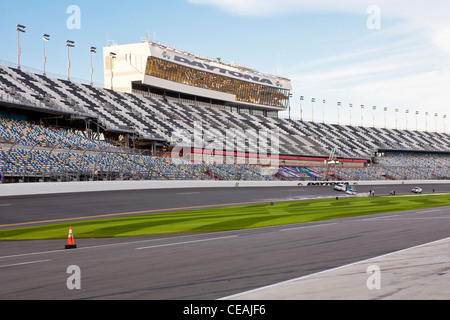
column 70, row 241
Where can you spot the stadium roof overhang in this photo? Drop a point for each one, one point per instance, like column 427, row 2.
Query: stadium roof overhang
column 130, row 131
column 41, row 109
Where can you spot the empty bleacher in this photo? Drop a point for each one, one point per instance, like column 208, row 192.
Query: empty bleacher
column 37, row 153
column 158, row 118
column 25, row 147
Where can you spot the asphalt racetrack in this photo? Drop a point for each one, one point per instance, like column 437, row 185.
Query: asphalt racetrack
column 197, row 266
column 31, row 210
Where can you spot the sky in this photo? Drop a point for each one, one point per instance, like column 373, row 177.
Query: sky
column 392, row 54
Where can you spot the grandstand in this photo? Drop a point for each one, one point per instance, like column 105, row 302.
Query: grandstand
column 56, row 130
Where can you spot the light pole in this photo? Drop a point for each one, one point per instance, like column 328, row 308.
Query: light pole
column 289, row 106
column 112, row 56
column 396, row 112
column 417, row 126
column 45, row 38
column 435, row 122
column 373, row 116
column 92, row 50
column 444, row 117
column 69, row 44
column 406, row 119
column 323, row 110
column 20, row 29
column 337, row 108
column 350, row 106
column 362, row 107
column 426, row 121
column 385, row 110
column 289, row 102
column 312, row 108
column 301, row 110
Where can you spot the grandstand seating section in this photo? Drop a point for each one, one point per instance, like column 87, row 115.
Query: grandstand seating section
column 159, row 119
column 27, row 134
column 29, row 149
column 416, row 166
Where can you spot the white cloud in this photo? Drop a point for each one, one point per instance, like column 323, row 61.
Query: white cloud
column 412, row 76
column 265, row 8
column 441, row 38
column 430, row 17
column 409, row 67
column 405, row 8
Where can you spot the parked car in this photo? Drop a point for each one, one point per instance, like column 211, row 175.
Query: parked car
column 340, row 187
column 416, row 190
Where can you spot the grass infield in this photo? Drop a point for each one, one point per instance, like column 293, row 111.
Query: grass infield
column 229, row 218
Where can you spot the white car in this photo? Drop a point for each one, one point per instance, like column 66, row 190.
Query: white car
column 416, row 190
column 340, row 187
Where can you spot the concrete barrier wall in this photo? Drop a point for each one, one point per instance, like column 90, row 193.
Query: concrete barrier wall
column 70, row 187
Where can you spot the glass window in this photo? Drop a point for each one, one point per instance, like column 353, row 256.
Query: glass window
column 244, row 91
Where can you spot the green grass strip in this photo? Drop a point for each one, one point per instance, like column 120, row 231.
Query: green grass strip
column 229, row 218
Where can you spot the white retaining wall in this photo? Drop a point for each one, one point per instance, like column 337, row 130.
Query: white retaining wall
column 70, row 187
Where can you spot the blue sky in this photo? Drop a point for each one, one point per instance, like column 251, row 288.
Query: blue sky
column 325, row 47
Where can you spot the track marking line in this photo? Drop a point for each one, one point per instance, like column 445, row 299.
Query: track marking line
column 306, row 227
column 418, row 218
column 31, row 254
column 99, row 246
column 380, row 218
column 23, row 263
column 408, row 215
column 431, row 210
column 185, row 242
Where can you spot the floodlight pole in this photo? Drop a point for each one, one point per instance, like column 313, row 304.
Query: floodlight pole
column 45, row 38
column 373, row 116
column 350, row 106
column 338, row 104
column 92, row 50
column 444, row 117
column 20, row 29
column 406, row 119
column 385, row 110
column 69, row 44
column 68, row 64
column 362, row 107
column 396, row 112
column 323, row 110
column 435, row 121
column 301, row 110
column 112, row 56
column 417, row 124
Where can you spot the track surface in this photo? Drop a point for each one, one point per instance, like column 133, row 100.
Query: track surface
column 27, row 210
column 197, row 266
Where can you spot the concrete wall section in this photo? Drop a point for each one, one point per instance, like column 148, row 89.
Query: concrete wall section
column 70, row 187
